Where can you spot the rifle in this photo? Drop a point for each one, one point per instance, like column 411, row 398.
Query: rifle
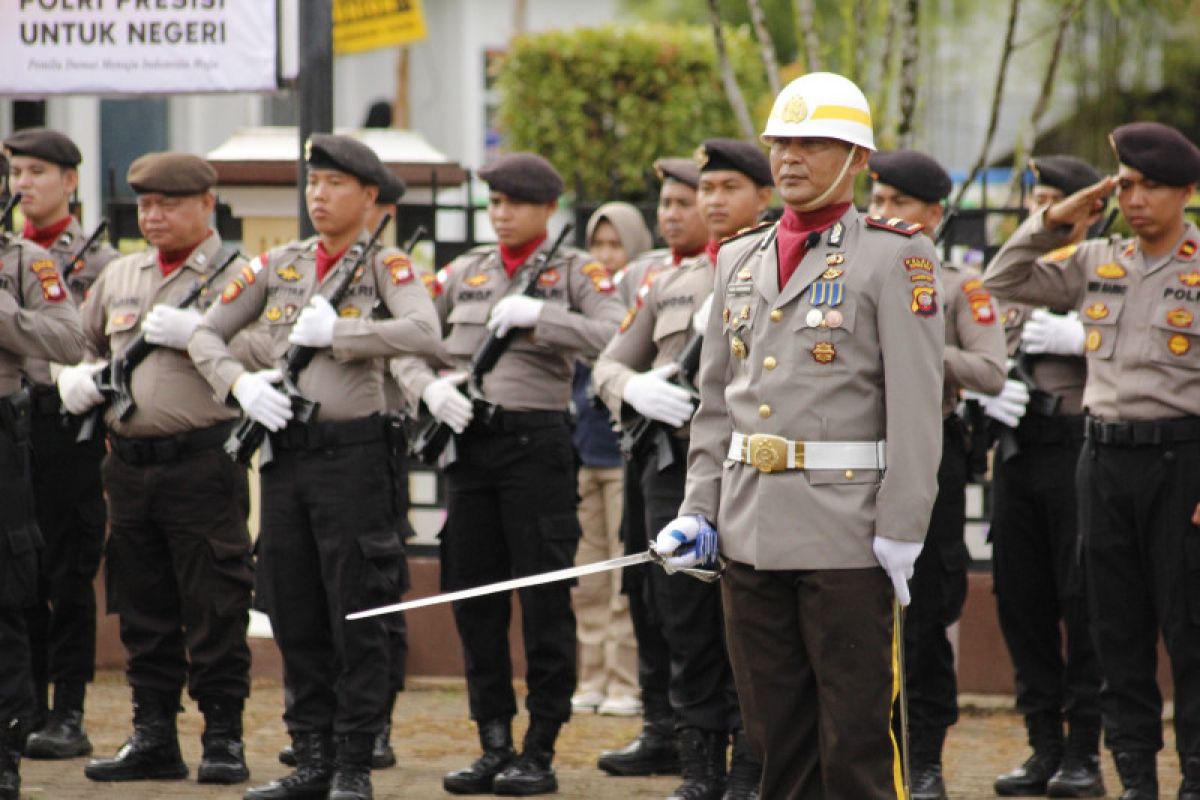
column 433, row 436
column 76, row 261
column 639, row 432
column 115, row 380
column 250, row 435
column 6, row 213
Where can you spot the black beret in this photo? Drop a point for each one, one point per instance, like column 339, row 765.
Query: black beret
column 1158, row 151
column 734, row 154
column 684, row 170
column 524, row 176
column 177, row 174
column 1068, row 174
column 913, row 173
column 391, row 188
column 46, row 144
column 344, row 154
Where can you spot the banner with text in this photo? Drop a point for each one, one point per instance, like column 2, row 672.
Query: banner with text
column 137, row 46
column 361, row 25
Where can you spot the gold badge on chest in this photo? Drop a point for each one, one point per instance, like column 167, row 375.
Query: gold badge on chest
column 737, row 347
column 824, row 352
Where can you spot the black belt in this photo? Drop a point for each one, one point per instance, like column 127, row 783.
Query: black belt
column 161, row 450
column 1036, row 429
column 495, row 418
column 45, row 401
column 1141, row 433
column 323, row 435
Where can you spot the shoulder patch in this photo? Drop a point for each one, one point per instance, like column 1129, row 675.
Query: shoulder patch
column 598, row 274
column 895, row 225
column 759, row 228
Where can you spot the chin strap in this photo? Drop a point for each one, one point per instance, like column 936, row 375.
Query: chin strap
column 823, row 199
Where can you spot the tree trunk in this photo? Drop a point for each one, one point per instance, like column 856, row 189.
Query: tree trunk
column 997, row 97
column 811, row 45
column 765, row 45
column 909, row 52
column 885, row 117
column 733, row 92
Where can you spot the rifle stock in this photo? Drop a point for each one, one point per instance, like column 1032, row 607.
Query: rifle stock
column 638, row 431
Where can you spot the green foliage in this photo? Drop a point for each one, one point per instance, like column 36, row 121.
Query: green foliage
column 602, row 103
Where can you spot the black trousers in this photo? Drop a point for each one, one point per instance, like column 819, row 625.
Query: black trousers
column 510, row 512
column 1142, row 561
column 328, row 547
column 813, row 652
column 654, row 663
column 1038, row 576
column 701, row 686
column 178, row 571
column 69, row 499
column 939, row 589
column 19, row 545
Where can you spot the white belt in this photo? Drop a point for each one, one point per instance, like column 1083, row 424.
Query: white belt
column 774, row 453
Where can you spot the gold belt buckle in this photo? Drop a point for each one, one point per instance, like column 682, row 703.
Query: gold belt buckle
column 766, row 452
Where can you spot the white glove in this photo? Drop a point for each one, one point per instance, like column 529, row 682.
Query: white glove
column 687, row 542
column 514, row 311
column 1054, row 334
column 1007, row 407
column 169, row 326
column 77, row 387
column 314, row 326
column 652, row 396
column 897, row 559
column 261, row 401
column 447, row 403
column 700, row 318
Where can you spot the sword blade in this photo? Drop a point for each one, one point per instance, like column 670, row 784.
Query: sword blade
column 507, row 586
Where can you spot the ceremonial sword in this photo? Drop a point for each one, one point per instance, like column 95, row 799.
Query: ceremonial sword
column 707, row 575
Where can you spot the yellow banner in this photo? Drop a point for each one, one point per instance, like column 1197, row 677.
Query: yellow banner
column 361, row 25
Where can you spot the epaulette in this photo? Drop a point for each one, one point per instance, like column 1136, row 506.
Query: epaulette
column 300, row 244
column 895, row 225
column 760, row 227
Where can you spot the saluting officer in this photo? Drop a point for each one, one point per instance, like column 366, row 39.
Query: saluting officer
column 655, row 751
column 911, row 186
column 635, row 368
column 510, row 508
column 178, row 554
column 328, row 544
column 37, row 320
column 66, row 475
column 1035, row 534
column 1138, row 500
column 814, row 452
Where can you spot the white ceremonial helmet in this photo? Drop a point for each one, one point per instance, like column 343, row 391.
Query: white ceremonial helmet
column 821, row 104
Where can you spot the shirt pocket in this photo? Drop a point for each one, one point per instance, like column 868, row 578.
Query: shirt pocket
column 738, row 325
column 671, row 322
column 823, row 336
column 1099, row 316
column 467, row 321
column 122, row 319
column 1174, row 337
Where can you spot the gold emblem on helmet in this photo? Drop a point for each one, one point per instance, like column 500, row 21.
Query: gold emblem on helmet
column 795, row 110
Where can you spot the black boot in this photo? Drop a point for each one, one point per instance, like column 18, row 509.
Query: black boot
column 702, row 759
column 1030, row 779
column 1190, row 766
column 314, row 770
column 495, row 736
column 152, row 753
column 352, row 769
column 1139, row 774
column 224, row 758
column 745, row 770
column 63, row 735
column 531, row 773
column 382, row 755
column 925, row 761
column 1079, row 775
column 10, row 760
column 654, row 752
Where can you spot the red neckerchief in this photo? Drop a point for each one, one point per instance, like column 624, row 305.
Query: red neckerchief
column 794, row 228
column 677, row 256
column 44, row 237
column 325, row 261
column 514, row 257
column 712, row 248
column 169, row 262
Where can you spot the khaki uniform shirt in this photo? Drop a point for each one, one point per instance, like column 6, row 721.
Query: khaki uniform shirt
column 78, row 282
column 640, row 273
column 656, row 328
column 783, row 362
column 975, row 347
column 1063, row 376
column 169, row 394
column 580, row 313
column 37, row 316
column 347, row 377
column 1143, row 335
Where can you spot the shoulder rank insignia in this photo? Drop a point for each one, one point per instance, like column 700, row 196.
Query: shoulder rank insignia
column 895, row 225
column 762, row 226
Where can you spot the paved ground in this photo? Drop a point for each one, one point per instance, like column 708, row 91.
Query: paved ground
column 432, row 736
